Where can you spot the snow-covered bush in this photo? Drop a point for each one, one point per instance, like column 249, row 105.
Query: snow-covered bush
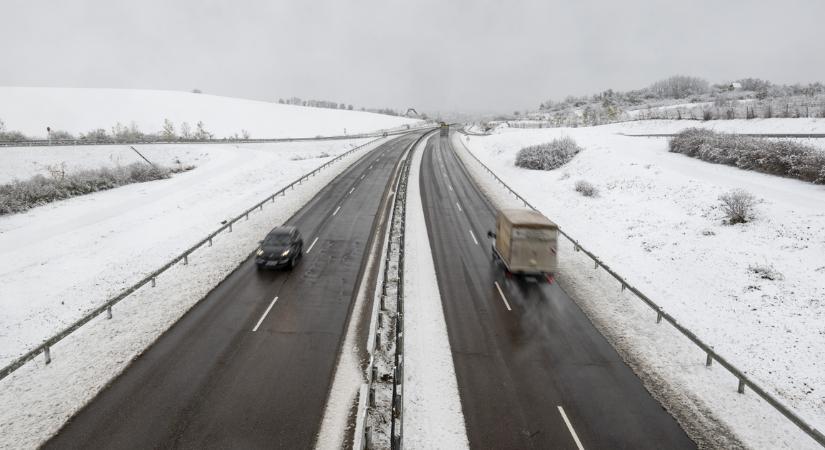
column 776, row 157
column 586, row 189
column 737, row 206
column 57, row 135
column 548, row 156
column 19, row 196
column 766, row 272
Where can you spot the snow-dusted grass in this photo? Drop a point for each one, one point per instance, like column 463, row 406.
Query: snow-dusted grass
column 432, row 408
column 37, row 399
column 78, row 110
column 63, row 259
column 657, row 221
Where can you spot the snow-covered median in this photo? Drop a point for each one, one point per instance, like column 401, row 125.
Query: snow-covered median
column 656, row 221
column 432, row 408
column 37, row 399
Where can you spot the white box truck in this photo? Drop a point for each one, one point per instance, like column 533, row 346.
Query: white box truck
column 525, row 242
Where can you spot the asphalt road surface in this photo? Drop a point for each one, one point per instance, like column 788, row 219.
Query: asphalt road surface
column 532, row 371
column 251, row 365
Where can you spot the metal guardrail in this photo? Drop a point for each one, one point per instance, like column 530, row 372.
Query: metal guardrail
column 65, row 142
column 763, row 135
column 711, row 354
column 45, row 347
column 395, row 241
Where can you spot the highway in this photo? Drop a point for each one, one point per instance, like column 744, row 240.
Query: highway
column 532, row 370
column 251, row 365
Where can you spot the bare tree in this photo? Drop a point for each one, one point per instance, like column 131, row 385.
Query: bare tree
column 168, row 132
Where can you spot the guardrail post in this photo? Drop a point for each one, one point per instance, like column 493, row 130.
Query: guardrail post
column 709, row 360
column 230, row 227
column 48, row 354
column 658, row 316
column 372, row 396
column 377, row 339
column 210, row 242
column 185, row 260
column 261, row 207
column 154, row 281
column 246, row 216
column 380, row 320
column 595, row 264
column 109, row 312
column 382, row 303
column 373, row 373
column 367, row 438
column 741, row 388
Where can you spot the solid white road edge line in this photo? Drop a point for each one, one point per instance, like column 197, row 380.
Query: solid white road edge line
column 350, row 191
column 501, row 293
column 450, row 186
column 336, row 210
column 474, row 237
column 570, row 427
column 459, row 206
column 312, row 245
column 265, row 313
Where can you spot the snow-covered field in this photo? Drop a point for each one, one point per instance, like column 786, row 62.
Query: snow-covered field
column 79, row 110
column 125, row 231
column 61, row 260
column 656, row 221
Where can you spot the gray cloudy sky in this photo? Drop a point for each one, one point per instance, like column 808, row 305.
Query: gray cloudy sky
column 456, row 55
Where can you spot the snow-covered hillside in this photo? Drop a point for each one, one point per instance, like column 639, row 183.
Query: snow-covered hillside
column 79, row 110
column 657, row 222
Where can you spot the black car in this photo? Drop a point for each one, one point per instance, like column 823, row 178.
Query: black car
column 282, row 247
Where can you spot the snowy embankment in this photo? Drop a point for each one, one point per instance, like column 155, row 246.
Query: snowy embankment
column 432, row 408
column 79, row 110
column 62, row 259
column 657, row 222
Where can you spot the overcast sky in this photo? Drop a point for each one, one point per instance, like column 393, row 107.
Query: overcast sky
column 443, row 55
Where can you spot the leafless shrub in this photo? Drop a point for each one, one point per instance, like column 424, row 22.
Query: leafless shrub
column 737, row 206
column 586, row 189
column 548, row 156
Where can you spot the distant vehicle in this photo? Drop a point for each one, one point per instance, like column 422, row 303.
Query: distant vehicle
column 282, row 247
column 525, row 242
column 445, row 129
